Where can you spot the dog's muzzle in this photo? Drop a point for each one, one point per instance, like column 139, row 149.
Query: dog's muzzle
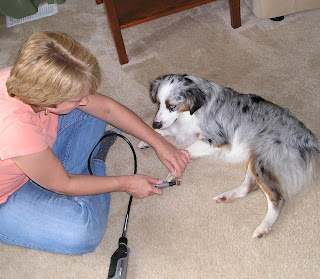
column 157, row 125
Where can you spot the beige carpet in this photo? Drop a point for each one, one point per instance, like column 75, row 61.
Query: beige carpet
column 184, row 234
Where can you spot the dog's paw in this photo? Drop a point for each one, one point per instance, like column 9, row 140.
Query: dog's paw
column 223, row 198
column 143, row 145
column 261, row 231
column 170, row 178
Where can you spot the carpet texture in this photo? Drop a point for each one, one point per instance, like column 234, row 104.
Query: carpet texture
column 184, row 234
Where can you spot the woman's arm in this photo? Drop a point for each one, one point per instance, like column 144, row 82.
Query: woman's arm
column 46, row 169
column 126, row 120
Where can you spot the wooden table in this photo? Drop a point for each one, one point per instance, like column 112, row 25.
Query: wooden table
column 126, row 13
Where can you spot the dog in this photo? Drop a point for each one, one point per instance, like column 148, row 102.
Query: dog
column 281, row 154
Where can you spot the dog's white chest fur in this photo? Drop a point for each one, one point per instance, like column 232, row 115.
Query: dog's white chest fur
column 185, row 129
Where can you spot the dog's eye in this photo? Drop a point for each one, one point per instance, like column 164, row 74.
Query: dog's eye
column 171, row 107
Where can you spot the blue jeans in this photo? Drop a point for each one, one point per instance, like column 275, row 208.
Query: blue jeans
column 38, row 218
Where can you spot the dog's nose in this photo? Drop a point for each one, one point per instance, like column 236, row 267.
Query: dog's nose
column 157, row 125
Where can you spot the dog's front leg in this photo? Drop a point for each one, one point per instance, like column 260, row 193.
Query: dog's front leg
column 200, row 149
column 197, row 150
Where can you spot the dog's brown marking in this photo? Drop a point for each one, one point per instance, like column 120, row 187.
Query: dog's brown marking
column 183, row 107
column 253, row 183
column 190, row 100
column 157, row 100
column 269, row 184
column 223, row 145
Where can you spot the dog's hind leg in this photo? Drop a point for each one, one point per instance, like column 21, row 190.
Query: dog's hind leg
column 270, row 186
column 272, row 215
column 249, row 184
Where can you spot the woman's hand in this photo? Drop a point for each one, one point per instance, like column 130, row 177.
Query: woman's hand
column 174, row 159
column 140, row 186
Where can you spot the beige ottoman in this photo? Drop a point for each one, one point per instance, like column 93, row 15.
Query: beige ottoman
column 276, row 8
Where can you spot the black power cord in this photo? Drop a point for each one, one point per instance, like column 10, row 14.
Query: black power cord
column 118, row 135
column 119, row 259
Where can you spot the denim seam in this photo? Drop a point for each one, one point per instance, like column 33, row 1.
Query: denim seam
column 70, row 140
column 100, row 162
column 75, row 120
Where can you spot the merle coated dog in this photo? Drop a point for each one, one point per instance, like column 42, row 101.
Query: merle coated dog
column 280, row 152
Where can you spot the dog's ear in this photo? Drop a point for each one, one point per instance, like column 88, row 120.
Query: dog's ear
column 155, row 86
column 195, row 99
column 154, row 89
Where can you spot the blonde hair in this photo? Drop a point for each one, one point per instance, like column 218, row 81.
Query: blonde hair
column 52, row 68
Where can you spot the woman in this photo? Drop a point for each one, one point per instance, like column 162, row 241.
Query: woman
column 51, row 117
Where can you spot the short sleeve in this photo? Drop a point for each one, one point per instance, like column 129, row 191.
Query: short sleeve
column 21, row 138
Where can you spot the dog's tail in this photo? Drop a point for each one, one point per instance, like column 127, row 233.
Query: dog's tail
column 299, row 171
column 287, row 169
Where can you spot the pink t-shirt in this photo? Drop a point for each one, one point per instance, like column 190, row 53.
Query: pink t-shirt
column 22, row 132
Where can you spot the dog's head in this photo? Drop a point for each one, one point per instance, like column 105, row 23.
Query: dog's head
column 175, row 95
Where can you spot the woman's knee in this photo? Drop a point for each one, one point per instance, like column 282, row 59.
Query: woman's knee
column 82, row 243
column 89, row 229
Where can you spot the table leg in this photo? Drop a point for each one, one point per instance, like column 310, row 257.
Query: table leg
column 235, row 13
column 116, row 31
